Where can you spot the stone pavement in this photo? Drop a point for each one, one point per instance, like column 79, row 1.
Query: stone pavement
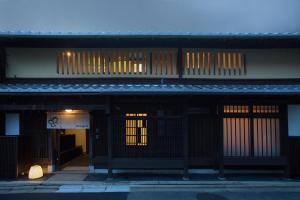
column 74, row 182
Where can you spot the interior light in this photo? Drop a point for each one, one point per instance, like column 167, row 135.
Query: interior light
column 68, row 53
column 68, row 110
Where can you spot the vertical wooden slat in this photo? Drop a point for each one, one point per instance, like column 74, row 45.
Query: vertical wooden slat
column 121, row 57
column 203, row 62
column 240, row 63
column 73, row 61
column 78, row 62
column 68, row 62
column 198, row 62
column 63, row 62
column 57, row 61
column 171, row 62
column 219, row 63
column 166, row 62
column 224, row 62
column 145, row 53
column 126, row 62
column 151, row 63
column 213, row 63
column 115, row 61
column 83, row 61
column 104, row 61
column 208, row 62
column 94, row 61
column 160, row 62
column 193, row 61
column 187, row 67
column 128, row 55
column 244, row 64
column 89, row 62
column 234, row 63
column 108, row 62
column 229, row 62
column 98, row 62
column 135, row 55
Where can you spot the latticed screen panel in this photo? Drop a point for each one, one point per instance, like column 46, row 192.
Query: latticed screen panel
column 211, row 62
column 136, row 129
column 252, row 130
column 117, row 62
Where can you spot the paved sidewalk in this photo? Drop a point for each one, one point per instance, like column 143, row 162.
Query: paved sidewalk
column 144, row 186
column 73, row 181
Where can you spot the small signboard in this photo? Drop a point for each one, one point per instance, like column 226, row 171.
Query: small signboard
column 294, row 120
column 64, row 120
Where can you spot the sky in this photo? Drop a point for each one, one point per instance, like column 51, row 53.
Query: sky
column 127, row 16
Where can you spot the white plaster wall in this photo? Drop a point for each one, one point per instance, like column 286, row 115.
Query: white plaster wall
column 261, row 64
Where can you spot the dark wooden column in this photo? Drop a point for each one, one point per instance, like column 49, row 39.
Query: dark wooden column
column 2, row 64
column 185, row 142
column 91, row 144
column 285, row 139
column 221, row 144
column 109, row 138
column 179, row 62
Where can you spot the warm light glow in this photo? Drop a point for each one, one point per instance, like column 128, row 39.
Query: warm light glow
column 68, row 53
column 136, row 129
column 68, row 110
column 35, row 172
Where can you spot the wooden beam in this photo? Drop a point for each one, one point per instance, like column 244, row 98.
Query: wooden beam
column 221, row 147
column 2, row 64
column 91, row 143
column 179, row 62
column 185, row 133
column 285, row 137
column 109, row 139
column 51, row 107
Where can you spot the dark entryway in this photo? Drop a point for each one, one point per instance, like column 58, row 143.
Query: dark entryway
column 203, row 139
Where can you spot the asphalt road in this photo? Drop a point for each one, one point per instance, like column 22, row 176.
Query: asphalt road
column 156, row 196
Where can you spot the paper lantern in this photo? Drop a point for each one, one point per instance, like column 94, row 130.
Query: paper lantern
column 35, row 172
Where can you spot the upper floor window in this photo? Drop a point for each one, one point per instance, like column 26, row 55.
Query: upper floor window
column 200, row 62
column 117, row 62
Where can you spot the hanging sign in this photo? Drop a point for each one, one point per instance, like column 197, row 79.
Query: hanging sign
column 64, row 120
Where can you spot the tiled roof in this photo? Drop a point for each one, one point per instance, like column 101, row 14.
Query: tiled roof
column 151, row 88
column 147, row 34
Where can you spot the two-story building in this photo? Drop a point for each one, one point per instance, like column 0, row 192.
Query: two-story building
column 183, row 94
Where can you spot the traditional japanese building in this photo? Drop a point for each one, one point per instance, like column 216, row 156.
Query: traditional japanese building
column 131, row 87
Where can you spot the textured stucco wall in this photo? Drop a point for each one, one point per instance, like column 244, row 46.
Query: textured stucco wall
column 261, row 64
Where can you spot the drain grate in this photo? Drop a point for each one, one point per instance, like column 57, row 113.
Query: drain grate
column 210, row 196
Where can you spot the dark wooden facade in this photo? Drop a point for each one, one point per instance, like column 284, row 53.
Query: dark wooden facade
column 183, row 132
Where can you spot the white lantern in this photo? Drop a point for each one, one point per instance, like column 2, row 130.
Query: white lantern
column 35, row 172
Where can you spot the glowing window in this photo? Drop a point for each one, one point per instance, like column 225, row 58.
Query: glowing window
column 136, row 129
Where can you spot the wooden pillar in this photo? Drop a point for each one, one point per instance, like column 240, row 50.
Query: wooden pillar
column 221, row 143
column 285, row 139
column 50, row 151
column 2, row 64
column 91, row 144
column 186, row 143
column 179, row 62
column 109, row 138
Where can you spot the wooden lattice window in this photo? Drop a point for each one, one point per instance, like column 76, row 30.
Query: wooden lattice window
column 136, row 129
column 116, row 62
column 212, row 62
column 251, row 131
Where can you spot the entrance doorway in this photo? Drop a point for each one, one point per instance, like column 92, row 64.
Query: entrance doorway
column 74, row 149
column 70, row 139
